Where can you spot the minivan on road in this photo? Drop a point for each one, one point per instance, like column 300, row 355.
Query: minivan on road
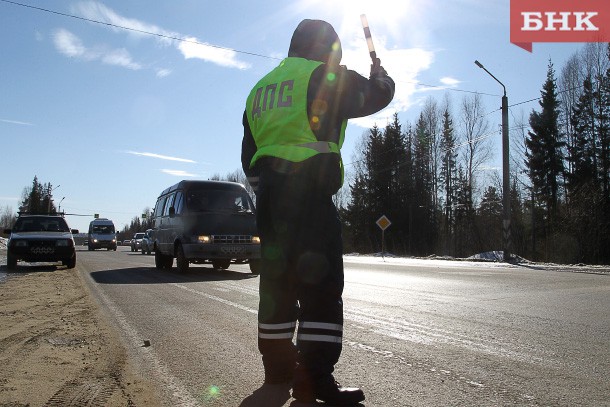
column 205, row 222
column 101, row 235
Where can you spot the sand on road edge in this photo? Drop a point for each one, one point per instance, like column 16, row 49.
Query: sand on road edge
column 55, row 345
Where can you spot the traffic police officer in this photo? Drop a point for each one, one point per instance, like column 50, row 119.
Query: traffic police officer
column 294, row 127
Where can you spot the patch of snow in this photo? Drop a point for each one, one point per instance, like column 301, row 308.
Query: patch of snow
column 493, row 259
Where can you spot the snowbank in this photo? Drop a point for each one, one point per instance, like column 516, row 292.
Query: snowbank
column 492, row 259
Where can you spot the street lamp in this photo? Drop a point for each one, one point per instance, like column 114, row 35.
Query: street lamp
column 62, row 199
column 506, row 235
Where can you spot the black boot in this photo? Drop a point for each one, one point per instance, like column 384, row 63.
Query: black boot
column 280, row 364
column 328, row 391
column 279, row 377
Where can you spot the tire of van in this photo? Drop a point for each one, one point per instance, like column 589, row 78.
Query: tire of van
column 255, row 266
column 182, row 262
column 162, row 261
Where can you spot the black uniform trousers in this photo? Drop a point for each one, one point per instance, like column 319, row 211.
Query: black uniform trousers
column 301, row 277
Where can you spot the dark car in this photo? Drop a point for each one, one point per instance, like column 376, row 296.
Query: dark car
column 148, row 242
column 206, row 222
column 40, row 238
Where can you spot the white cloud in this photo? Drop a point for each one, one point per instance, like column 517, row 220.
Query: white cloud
column 189, row 46
column 162, row 73
column 68, row 43
column 179, row 173
column 192, row 48
column 403, row 66
column 120, row 57
column 93, row 10
column 450, row 81
column 161, row 157
column 72, row 46
column 16, row 122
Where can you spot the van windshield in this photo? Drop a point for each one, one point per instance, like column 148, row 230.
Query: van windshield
column 215, row 200
column 102, row 229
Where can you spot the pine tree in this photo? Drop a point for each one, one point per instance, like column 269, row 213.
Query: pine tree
column 545, row 147
column 582, row 151
column 603, row 124
column 464, row 216
column 356, row 215
column 588, row 181
column 490, row 214
column 448, row 176
column 423, row 209
column 37, row 199
column 367, row 192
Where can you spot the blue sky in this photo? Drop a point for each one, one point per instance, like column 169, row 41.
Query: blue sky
column 113, row 116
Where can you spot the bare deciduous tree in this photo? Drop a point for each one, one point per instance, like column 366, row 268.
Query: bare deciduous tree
column 7, row 217
column 475, row 139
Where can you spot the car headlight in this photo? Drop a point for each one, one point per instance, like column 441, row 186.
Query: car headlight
column 61, row 243
column 21, row 243
column 204, row 239
column 94, row 240
column 256, row 240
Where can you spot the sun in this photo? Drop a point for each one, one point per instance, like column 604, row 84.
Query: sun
column 386, row 15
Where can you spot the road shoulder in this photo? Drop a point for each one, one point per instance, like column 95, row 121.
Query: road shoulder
column 56, row 346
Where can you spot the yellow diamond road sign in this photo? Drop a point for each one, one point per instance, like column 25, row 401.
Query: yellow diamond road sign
column 383, row 222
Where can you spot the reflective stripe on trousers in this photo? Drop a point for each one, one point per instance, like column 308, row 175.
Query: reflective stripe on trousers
column 320, row 332
column 308, row 331
column 276, row 331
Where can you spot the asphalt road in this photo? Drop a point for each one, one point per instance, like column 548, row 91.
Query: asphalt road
column 424, row 334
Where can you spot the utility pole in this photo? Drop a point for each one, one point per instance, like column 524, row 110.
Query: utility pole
column 506, row 227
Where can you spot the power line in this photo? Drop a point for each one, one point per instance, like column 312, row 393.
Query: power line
column 256, row 54
column 209, row 45
column 451, row 89
column 137, row 30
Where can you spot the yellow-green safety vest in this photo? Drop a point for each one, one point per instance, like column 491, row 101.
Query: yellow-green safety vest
column 277, row 114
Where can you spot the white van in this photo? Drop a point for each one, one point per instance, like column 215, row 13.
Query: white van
column 101, row 234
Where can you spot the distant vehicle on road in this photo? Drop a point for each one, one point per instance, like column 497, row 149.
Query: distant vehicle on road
column 40, row 238
column 148, row 242
column 136, row 242
column 127, row 242
column 102, row 235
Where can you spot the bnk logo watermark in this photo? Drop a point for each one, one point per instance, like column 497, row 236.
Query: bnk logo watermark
column 558, row 21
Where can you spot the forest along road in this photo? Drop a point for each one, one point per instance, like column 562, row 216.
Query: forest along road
column 419, row 334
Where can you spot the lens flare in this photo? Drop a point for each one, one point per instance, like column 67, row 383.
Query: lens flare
column 211, row 393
